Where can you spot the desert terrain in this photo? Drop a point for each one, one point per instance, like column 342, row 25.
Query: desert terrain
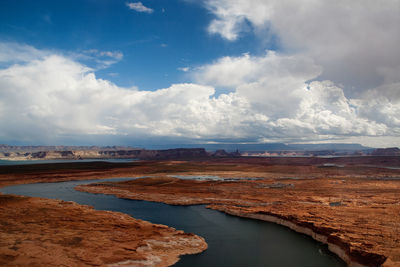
column 44, row 232
column 351, row 203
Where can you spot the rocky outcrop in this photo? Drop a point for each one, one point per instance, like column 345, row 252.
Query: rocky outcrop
column 354, row 204
column 168, row 154
column 393, row 151
column 178, row 153
column 119, row 153
column 223, row 154
column 43, row 232
column 357, row 217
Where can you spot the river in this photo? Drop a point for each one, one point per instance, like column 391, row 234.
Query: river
column 232, row 241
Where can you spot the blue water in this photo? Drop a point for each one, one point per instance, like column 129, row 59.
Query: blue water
column 23, row 162
column 232, row 241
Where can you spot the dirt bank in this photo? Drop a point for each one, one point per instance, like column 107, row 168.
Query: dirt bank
column 356, row 207
column 357, row 215
column 44, row 232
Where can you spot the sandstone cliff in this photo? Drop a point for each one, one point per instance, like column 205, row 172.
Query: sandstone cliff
column 178, row 153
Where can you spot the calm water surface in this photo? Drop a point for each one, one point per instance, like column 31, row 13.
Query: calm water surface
column 232, row 241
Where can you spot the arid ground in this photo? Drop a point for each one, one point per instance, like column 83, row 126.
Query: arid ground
column 352, row 204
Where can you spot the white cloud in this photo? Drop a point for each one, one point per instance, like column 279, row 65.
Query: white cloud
column 12, row 53
column 236, row 71
column 18, row 53
column 113, row 54
column 227, row 28
column 53, row 96
column 100, row 59
column 277, row 87
column 139, row 7
column 57, row 96
column 355, row 42
column 184, row 69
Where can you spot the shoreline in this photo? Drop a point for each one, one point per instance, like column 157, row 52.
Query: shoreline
column 336, row 249
column 42, row 231
column 341, row 207
column 332, row 247
column 356, row 251
column 85, row 237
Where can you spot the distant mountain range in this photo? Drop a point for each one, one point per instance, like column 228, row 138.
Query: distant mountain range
column 269, row 147
column 10, row 148
column 192, row 151
column 209, row 147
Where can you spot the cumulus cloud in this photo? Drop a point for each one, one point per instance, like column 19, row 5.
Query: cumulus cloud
column 17, row 53
column 279, row 87
column 355, row 42
column 139, row 7
column 52, row 96
column 12, row 53
column 236, row 71
column 57, row 96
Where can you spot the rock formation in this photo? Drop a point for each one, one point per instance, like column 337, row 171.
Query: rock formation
column 393, row 151
column 43, row 232
column 357, row 215
column 353, row 205
column 178, row 153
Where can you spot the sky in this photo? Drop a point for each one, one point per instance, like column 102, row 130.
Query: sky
column 110, row 72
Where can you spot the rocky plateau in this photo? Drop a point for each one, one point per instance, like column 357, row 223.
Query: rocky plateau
column 351, row 203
